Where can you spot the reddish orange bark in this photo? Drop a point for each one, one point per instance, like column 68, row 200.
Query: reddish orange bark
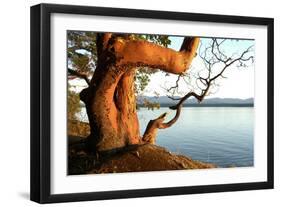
column 140, row 52
column 110, row 98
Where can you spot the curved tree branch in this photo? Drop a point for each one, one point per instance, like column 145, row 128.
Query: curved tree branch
column 207, row 82
column 151, row 130
column 173, row 120
column 168, row 60
column 155, row 56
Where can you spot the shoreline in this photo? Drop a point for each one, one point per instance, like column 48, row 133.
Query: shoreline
column 134, row 158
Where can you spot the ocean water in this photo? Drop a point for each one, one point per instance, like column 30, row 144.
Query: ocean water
column 219, row 135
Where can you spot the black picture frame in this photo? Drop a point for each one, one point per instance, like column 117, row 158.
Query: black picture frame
column 41, row 96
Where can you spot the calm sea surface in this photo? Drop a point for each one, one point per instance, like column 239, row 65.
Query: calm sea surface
column 219, row 135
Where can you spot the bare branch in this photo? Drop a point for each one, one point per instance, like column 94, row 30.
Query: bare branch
column 211, row 56
column 174, row 88
column 240, row 58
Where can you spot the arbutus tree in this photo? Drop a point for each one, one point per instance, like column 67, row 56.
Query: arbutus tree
column 110, row 97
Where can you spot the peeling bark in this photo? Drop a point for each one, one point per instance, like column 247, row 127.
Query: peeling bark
column 105, row 115
column 126, row 104
column 144, row 53
column 110, row 98
column 111, row 108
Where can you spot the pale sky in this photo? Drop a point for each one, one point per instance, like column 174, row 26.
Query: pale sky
column 238, row 84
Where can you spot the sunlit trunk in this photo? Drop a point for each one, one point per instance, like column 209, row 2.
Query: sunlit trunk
column 110, row 98
column 111, row 108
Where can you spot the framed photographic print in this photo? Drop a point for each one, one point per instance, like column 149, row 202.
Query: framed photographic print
column 133, row 103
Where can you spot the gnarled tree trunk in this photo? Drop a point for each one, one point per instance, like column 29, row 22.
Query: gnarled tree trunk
column 110, row 98
column 111, row 108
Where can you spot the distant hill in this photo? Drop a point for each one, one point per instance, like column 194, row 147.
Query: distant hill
column 165, row 101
